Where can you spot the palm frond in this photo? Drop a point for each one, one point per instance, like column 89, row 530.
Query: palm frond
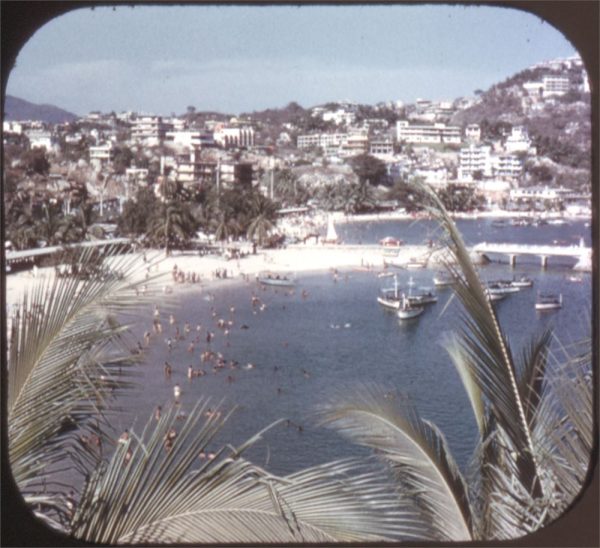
column 416, row 452
column 485, row 350
column 64, row 360
column 148, row 493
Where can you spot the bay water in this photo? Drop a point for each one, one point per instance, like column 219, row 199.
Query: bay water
column 329, row 334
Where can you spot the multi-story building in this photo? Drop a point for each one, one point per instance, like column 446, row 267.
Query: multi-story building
column 507, row 166
column 427, row 134
column 474, row 158
column 357, row 142
column 473, row 133
column 101, row 155
column 192, row 169
column 189, row 138
column 149, row 130
column 518, row 140
column 234, row 136
column 322, row 140
column 39, row 139
column 555, row 85
column 382, row 147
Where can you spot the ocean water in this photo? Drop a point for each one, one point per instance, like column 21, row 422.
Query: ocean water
column 335, row 337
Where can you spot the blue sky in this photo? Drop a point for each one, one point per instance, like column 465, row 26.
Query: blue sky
column 241, row 58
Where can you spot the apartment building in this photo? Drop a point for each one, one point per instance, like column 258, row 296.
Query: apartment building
column 507, row 166
column 555, row 85
column 149, row 130
column 101, row 155
column 518, row 140
column 474, row 158
column 191, row 169
column 427, row 134
column 382, row 147
column 473, row 133
column 322, row 140
column 234, row 137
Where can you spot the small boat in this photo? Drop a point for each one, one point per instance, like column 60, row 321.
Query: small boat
column 575, row 279
column 423, row 298
column 390, row 298
column 385, row 274
column 441, row 279
column 521, row 281
column 493, row 297
column 548, row 301
column 277, row 280
column 500, row 224
column 407, row 310
column 331, row 237
column 557, row 222
column 414, row 264
column 389, row 241
column 502, row 287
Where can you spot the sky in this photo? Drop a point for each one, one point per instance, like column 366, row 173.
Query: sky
column 234, row 59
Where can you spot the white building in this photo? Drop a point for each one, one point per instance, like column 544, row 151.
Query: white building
column 101, row 155
column 381, row 148
column 555, row 85
column 184, row 138
column 474, row 158
column 149, row 130
column 539, row 193
column 40, row 139
column 427, row 134
column 339, row 117
column 473, row 133
column 12, row 127
column 507, row 166
column 518, row 140
column 321, row 140
column 238, row 137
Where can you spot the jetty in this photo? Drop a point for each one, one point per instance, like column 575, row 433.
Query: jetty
column 582, row 254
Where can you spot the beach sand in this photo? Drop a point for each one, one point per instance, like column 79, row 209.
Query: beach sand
column 292, row 260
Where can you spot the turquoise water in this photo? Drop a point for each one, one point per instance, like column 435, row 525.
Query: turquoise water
column 305, row 348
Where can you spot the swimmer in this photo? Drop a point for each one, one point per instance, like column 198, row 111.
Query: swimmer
column 177, row 392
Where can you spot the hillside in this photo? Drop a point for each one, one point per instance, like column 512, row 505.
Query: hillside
column 19, row 109
column 560, row 127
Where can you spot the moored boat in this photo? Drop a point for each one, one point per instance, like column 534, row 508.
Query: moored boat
column 521, row 281
column 502, row 287
column 407, row 310
column 390, row 298
column 547, row 301
column 441, row 279
column 389, row 241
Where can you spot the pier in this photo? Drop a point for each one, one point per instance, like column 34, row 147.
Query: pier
column 582, row 254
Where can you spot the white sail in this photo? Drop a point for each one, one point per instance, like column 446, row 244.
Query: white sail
column 331, row 236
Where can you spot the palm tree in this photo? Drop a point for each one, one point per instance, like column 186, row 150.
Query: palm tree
column 67, row 356
column 262, row 217
column 172, row 224
column 534, row 417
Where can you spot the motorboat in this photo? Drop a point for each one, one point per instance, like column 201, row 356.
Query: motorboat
column 493, row 297
column 276, row 280
column 385, row 274
column 521, row 281
column 428, row 297
column 441, row 279
column 407, row 310
column 502, row 287
column 547, row 301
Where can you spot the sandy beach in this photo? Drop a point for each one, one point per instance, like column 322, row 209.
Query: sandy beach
column 209, row 269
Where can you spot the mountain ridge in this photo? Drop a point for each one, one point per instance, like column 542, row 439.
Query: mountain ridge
column 17, row 109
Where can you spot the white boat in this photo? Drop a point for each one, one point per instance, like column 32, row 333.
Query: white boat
column 277, row 280
column 548, row 302
column 521, row 281
column 419, row 299
column 390, row 298
column 385, row 274
column 441, row 279
column 502, row 287
column 493, row 297
column 331, row 237
column 407, row 310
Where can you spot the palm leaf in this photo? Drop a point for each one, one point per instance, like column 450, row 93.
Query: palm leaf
column 415, row 450
column 146, row 494
column 485, row 350
column 65, row 351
